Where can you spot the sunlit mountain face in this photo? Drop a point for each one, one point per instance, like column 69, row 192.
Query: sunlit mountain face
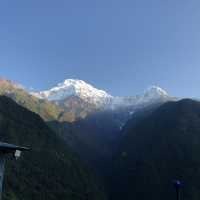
column 47, row 110
column 81, row 99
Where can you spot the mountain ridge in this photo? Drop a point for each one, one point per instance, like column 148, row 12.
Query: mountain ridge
column 45, row 109
column 74, row 87
column 161, row 146
column 77, row 100
column 100, row 98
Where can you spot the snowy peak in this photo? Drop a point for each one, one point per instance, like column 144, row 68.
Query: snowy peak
column 99, row 98
column 74, row 87
column 151, row 95
column 154, row 92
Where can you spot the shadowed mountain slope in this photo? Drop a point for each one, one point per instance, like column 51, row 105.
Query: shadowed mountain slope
column 49, row 171
column 160, row 147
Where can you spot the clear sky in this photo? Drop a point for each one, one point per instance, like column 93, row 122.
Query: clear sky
column 121, row 46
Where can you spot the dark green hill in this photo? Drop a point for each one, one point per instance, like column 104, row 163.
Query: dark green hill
column 93, row 138
column 162, row 146
column 49, row 171
column 97, row 137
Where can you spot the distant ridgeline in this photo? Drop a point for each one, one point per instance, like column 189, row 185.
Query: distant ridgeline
column 49, row 171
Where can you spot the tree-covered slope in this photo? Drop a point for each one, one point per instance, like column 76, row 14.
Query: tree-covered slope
column 48, row 111
column 93, row 138
column 162, row 146
column 49, row 171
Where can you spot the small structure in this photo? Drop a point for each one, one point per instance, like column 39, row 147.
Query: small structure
column 6, row 149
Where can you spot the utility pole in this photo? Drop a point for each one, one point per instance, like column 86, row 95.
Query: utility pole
column 7, row 149
column 178, row 185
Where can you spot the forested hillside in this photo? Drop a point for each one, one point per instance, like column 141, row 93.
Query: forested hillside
column 162, row 146
column 49, row 171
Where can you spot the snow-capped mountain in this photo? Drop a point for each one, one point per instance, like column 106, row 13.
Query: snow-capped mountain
column 154, row 92
column 74, row 99
column 99, row 98
column 76, row 88
column 152, row 95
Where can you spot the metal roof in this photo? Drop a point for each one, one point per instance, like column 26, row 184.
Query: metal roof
column 9, row 148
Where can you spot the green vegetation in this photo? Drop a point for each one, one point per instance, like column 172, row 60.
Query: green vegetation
column 45, row 109
column 49, row 171
column 68, row 110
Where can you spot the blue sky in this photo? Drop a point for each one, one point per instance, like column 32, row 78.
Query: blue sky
column 121, row 46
